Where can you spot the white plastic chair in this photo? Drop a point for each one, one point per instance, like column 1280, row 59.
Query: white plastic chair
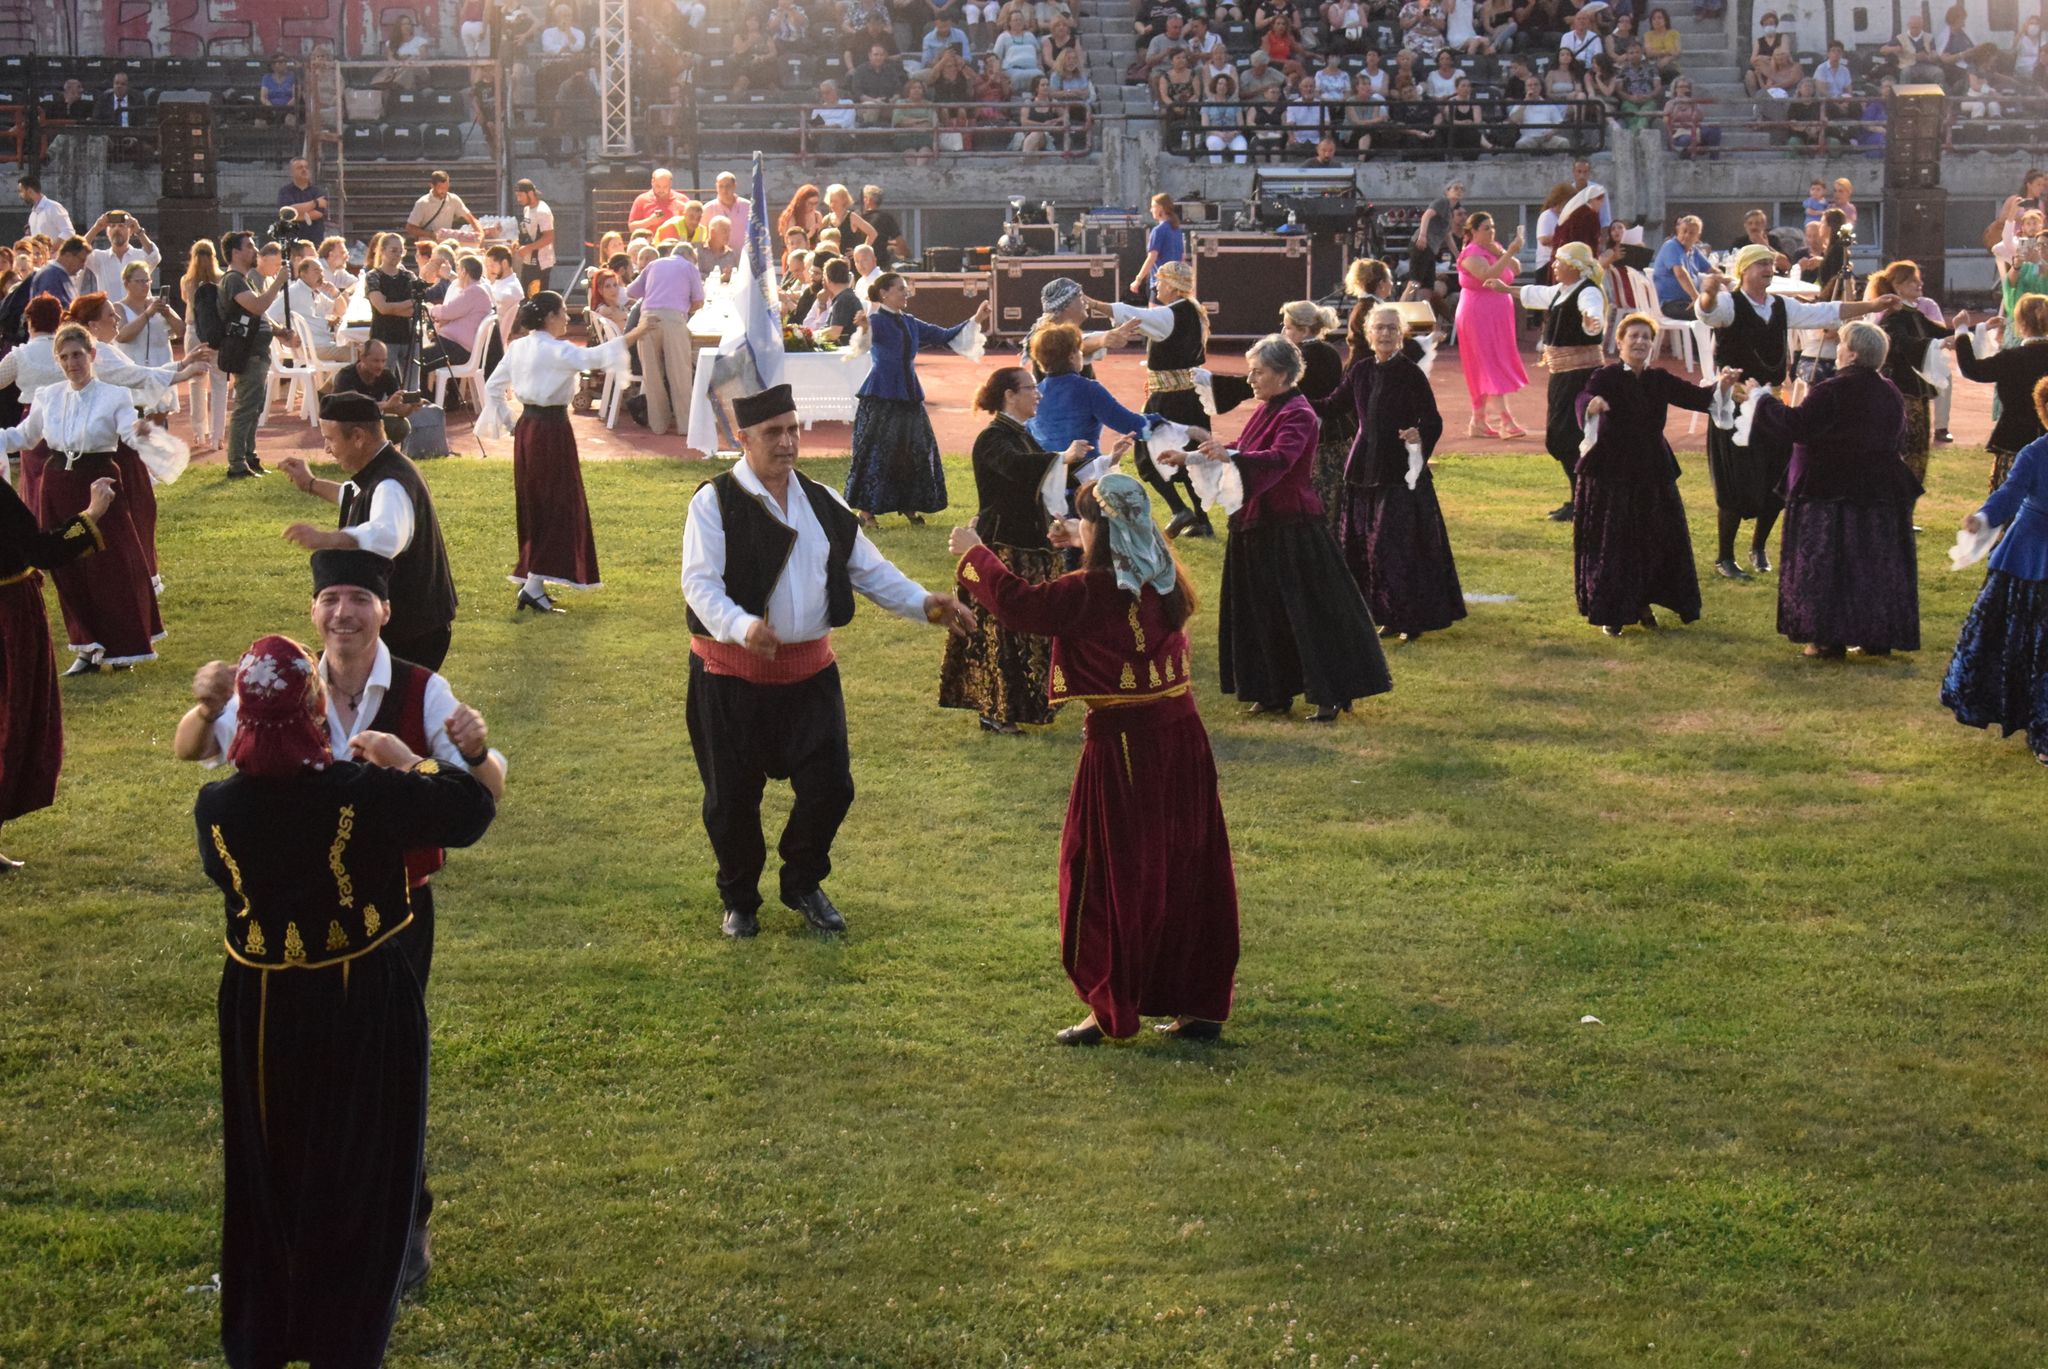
column 616, row 380
column 299, row 382
column 310, row 358
column 468, row 378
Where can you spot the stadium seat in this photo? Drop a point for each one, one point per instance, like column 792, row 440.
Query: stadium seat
column 401, row 143
column 441, row 142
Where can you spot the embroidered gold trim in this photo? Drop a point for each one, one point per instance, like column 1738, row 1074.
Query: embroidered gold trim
column 294, row 945
column 1152, row 670
column 969, row 573
column 1129, row 678
column 256, row 946
column 344, row 887
column 1129, row 778
column 1169, row 670
column 337, row 939
column 1059, row 681
column 429, row 766
column 1122, row 700
column 240, row 959
column 370, row 919
column 234, row 872
column 99, row 539
column 1137, row 632
column 6, row 580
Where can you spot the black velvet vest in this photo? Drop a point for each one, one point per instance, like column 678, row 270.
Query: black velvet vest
column 1565, row 326
column 758, row 545
column 1182, row 349
column 422, row 586
column 1756, row 344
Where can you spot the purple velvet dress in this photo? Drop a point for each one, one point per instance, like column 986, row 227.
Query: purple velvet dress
column 1630, row 544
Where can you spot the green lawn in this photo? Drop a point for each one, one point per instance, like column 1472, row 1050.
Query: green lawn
column 1803, row 902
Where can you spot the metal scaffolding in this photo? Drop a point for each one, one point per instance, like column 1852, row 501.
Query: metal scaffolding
column 615, row 75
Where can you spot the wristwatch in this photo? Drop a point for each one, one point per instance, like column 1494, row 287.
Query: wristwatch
column 478, row 759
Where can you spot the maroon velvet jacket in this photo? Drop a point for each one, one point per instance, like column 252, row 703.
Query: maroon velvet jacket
column 1106, row 649
column 1276, row 458
column 1845, row 440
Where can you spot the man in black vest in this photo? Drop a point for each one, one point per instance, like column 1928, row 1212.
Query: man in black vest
column 771, row 562
column 386, row 509
column 1574, row 329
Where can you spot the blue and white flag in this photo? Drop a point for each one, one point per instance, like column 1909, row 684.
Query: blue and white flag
column 760, row 319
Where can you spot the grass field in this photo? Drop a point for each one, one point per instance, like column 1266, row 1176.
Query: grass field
column 1804, row 904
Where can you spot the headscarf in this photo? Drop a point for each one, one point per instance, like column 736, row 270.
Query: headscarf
column 1580, row 258
column 1135, row 545
column 1057, row 294
column 276, row 735
column 1179, row 275
column 1748, row 255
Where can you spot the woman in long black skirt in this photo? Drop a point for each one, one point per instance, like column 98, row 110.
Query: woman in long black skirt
column 1631, row 548
column 1391, row 527
column 1308, row 325
column 1292, row 621
column 895, row 454
column 1000, row 674
column 1848, row 577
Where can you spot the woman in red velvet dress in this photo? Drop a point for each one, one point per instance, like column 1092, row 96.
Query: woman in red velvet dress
column 31, row 711
column 1148, row 896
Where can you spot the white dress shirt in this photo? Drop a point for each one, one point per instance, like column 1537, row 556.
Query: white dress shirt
column 1799, row 313
column 107, row 265
column 51, row 219
column 97, row 418
column 316, row 309
column 1592, row 304
column 387, row 530
column 1155, row 321
column 506, row 297
column 796, row 606
column 440, row 703
column 556, row 42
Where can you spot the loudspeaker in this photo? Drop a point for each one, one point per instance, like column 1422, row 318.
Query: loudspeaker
column 1912, row 142
column 1916, row 230
column 185, row 142
column 179, row 223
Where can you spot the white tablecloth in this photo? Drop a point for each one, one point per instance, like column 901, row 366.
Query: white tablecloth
column 824, row 384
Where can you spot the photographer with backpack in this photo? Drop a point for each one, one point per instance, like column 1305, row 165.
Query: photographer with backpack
column 245, row 347
column 205, row 326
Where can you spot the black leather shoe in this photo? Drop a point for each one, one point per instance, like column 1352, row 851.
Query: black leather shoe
column 1562, row 513
column 1261, row 710
column 1610, row 629
column 1728, row 570
column 1191, row 1029
column 1325, row 715
column 741, row 923
column 83, row 665
column 540, row 603
column 1090, row 1035
column 242, row 473
column 419, row 1262
column 818, row 911
column 1181, row 522
column 1758, row 561
column 256, row 466
column 1200, row 527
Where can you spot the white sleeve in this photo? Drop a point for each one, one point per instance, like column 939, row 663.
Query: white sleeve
column 435, row 709
column 1538, row 296
column 1155, row 321
column 875, row 576
column 1721, row 315
column 388, row 529
column 27, row 434
column 1593, row 308
column 223, row 734
column 1801, row 313
column 704, row 571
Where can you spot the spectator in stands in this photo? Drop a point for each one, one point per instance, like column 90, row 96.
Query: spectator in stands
column 71, row 104
column 561, row 38
column 1602, row 83
column 993, row 91
column 1151, row 19
column 655, row 205
column 755, row 60
column 1071, row 84
column 1159, row 51
column 1641, row 91
column 788, row 24
column 1763, row 52
column 1059, row 37
column 1843, row 201
column 1017, row 48
column 1979, row 100
column 1685, row 129
column 1661, row 45
column 1914, row 57
column 2026, row 54
column 1304, row 119
column 1462, row 122
column 439, row 210
column 1566, row 80
column 1679, row 268
column 942, row 37
column 302, row 197
column 46, row 218
column 1538, row 26
column 1259, row 77
column 1463, row 27
column 115, row 107
column 915, row 121
column 1364, row 111
column 1956, row 51
column 1175, row 92
column 952, row 83
column 279, row 88
column 1443, row 77
column 1283, row 43
column 1540, row 123
column 1784, row 76
column 1582, row 40
column 1805, row 121
column 1833, row 78
column 872, row 31
column 1266, row 121
column 1223, row 122
column 876, row 81
column 833, row 118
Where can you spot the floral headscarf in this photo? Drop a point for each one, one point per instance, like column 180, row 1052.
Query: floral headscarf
column 1136, row 547
column 278, row 730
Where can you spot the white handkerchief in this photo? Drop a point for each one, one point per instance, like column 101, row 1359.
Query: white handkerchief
column 1744, row 418
column 1933, row 367
column 1415, row 463
column 1052, row 490
column 1428, row 362
column 1096, row 469
column 1168, row 437
column 165, row 456
column 1217, row 483
column 969, row 342
column 1972, row 547
column 1590, row 436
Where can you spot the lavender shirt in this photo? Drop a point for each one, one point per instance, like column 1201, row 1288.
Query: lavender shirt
column 670, row 283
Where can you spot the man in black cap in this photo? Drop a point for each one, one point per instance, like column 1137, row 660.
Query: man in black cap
column 771, row 562
column 369, row 689
column 386, row 509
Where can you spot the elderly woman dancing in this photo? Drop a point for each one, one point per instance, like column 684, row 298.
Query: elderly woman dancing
column 1574, row 322
column 1849, row 573
column 1293, row 621
column 1148, row 896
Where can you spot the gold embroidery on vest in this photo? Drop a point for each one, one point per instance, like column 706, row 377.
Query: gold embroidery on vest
column 371, row 922
column 345, row 888
column 1129, row 778
column 429, row 766
column 234, row 871
column 255, row 944
column 1169, row 670
column 294, row 944
column 1129, row 679
column 337, row 939
column 969, row 573
column 1137, row 632
column 1059, row 681
column 1152, row 670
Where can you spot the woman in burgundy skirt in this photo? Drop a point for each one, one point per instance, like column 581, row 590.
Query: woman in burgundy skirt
column 556, row 545
column 31, row 711
column 82, row 425
column 1148, row 895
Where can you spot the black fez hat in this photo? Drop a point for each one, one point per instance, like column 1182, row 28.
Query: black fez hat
column 752, row 409
column 349, row 566
column 348, row 406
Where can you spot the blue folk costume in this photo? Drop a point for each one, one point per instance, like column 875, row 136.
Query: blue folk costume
column 895, row 454
column 1076, row 408
column 1998, row 676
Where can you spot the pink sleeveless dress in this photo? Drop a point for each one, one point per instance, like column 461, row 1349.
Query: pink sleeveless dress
column 1486, row 331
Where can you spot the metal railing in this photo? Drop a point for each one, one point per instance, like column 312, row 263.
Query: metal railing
column 978, row 128
column 1398, row 132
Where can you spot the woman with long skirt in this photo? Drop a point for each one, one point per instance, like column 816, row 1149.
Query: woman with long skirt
column 1308, row 325
column 556, row 544
column 1148, row 895
column 80, row 427
column 1293, row 621
column 1848, row 577
column 323, row 1031
column 1998, row 676
column 1002, row 675
column 1391, row 526
column 29, row 367
column 2014, row 370
column 31, row 709
column 1486, row 328
column 1631, row 548
column 1574, row 323
column 1911, row 333
column 896, row 465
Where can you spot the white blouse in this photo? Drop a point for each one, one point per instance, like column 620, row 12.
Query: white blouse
column 97, row 418
column 149, row 387
column 32, row 365
column 541, row 368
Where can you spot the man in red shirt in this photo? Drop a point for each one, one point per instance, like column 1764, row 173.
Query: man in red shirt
column 656, row 205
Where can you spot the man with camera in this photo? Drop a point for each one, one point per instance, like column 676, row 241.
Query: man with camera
column 127, row 242
column 394, row 294
column 245, row 352
column 371, row 375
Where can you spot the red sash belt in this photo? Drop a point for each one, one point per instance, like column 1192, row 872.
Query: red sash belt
column 793, row 663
